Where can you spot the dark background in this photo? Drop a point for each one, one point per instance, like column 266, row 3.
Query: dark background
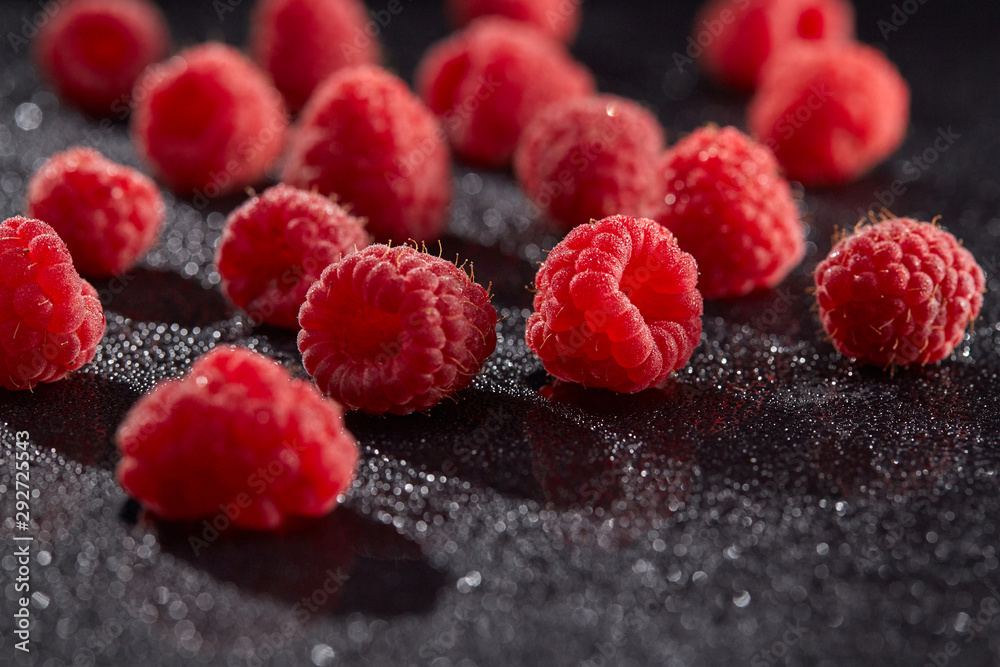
column 773, row 505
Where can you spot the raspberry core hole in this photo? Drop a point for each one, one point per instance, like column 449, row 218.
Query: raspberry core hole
column 102, row 42
column 811, row 24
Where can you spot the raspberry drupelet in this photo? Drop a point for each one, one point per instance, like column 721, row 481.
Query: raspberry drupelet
column 209, row 121
column 616, row 306
column 489, row 81
column 366, row 138
column 591, row 157
column 236, row 431
column 93, row 51
column 301, row 42
column 898, row 292
column 395, row 330
column 558, row 18
column 276, row 245
column 108, row 214
column 722, row 197
column 50, row 319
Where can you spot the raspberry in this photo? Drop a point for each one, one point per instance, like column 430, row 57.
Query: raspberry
column 490, row 80
column 830, row 111
column 237, row 436
column 616, row 306
column 588, row 158
column 275, row 246
column 736, row 37
column 395, row 330
column 366, row 138
column 108, row 214
column 722, row 197
column 50, row 318
column 898, row 292
column 301, row 42
column 92, row 51
column 208, row 121
column 560, row 19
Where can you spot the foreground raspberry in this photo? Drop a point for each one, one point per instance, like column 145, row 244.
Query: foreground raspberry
column 558, row 18
column 616, row 306
column 50, row 318
column 301, row 42
column 489, row 81
column 590, row 157
column 275, row 246
column 736, row 37
column 830, row 111
column 365, row 138
column 898, row 292
column 209, row 121
column 395, row 330
column 236, row 436
column 722, row 197
column 108, row 214
column 92, row 51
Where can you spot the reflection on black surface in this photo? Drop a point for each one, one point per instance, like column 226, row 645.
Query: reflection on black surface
column 160, row 296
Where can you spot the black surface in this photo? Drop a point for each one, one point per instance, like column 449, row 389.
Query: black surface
column 773, row 505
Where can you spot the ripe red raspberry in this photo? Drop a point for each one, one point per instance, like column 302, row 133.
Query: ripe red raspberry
column 489, row 81
column 209, row 121
column 50, row 318
column 367, row 139
column 587, row 158
column 898, row 292
column 830, row 111
column 92, row 51
column 275, row 246
column 616, row 306
column 301, row 42
column 108, row 214
column 236, row 436
column 558, row 18
column 394, row 330
column 736, row 37
column 724, row 200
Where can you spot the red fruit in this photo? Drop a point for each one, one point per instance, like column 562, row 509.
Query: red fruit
column 591, row 157
column 616, row 306
column 367, row 139
column 489, row 81
column 395, row 330
column 92, row 51
column 724, row 200
column 108, row 214
column 898, row 292
column 236, row 437
column 737, row 37
column 301, row 42
column 50, row 319
column 559, row 19
column 209, row 121
column 275, row 246
column 830, row 111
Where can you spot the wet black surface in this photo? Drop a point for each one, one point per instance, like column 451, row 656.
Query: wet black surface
column 774, row 504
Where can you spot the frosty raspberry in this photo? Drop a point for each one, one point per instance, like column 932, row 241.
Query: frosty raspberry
column 394, row 330
column 616, row 306
column 898, row 292
column 108, row 214
column 50, row 319
column 558, row 18
column 722, row 197
column 275, row 246
column 236, row 436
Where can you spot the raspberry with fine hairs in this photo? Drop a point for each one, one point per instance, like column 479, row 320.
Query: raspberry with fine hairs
column 616, row 306
column 276, row 245
column 50, row 318
column 237, row 435
column 558, row 18
column 722, row 197
column 108, row 214
column 898, row 292
column 395, row 330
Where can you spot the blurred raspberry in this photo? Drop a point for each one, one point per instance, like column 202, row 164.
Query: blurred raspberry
column 558, row 18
